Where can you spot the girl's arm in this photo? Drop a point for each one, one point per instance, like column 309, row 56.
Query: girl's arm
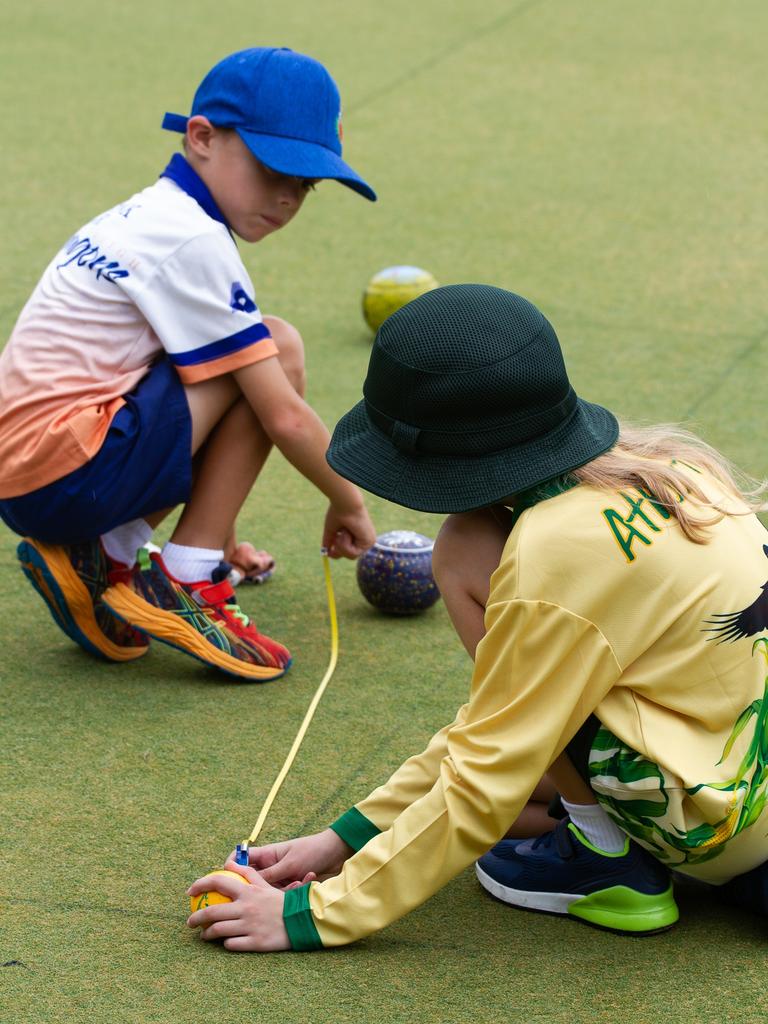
column 540, row 672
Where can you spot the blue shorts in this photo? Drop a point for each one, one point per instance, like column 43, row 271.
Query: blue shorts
column 143, row 466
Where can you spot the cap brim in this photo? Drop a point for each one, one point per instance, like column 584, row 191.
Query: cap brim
column 303, row 159
column 360, row 452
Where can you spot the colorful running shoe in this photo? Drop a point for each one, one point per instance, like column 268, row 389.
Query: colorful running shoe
column 71, row 580
column 202, row 619
column 561, row 872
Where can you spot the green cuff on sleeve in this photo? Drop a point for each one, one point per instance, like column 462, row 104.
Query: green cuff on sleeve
column 298, row 920
column 355, row 829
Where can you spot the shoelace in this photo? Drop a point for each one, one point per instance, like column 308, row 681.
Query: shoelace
column 238, row 613
column 220, row 574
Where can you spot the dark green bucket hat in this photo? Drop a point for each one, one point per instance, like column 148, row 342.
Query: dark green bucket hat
column 466, row 402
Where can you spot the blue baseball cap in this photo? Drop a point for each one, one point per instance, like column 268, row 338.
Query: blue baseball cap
column 284, row 106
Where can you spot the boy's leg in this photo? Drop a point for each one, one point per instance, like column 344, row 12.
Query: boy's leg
column 62, row 554
column 179, row 600
column 235, row 448
column 227, row 467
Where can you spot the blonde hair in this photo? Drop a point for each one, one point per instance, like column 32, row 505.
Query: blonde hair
column 659, row 460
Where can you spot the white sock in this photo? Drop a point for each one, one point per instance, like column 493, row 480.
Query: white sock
column 191, row 565
column 122, row 543
column 595, row 825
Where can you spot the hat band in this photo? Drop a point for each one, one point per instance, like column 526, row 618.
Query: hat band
column 412, row 440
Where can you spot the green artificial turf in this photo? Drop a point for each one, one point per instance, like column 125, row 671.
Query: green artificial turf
column 607, row 160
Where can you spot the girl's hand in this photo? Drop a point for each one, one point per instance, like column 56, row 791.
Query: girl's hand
column 347, row 534
column 297, row 861
column 252, row 922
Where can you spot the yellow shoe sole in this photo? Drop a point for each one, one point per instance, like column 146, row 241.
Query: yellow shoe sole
column 49, row 570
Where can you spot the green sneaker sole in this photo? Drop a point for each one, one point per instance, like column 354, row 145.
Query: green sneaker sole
column 621, row 909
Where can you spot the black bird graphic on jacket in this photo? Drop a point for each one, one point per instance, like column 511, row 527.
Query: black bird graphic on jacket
column 735, row 625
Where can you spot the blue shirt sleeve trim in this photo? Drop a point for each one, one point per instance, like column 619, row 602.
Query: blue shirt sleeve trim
column 224, row 347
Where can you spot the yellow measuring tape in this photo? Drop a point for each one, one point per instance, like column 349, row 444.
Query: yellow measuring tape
column 310, row 711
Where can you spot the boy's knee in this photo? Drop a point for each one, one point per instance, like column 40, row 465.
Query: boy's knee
column 290, row 349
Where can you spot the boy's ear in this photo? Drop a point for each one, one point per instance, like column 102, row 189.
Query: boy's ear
column 200, row 133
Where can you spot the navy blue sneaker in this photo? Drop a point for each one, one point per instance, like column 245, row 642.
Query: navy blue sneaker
column 561, row 872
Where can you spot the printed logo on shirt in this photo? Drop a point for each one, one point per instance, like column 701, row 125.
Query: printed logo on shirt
column 240, row 300
column 636, row 522
column 83, row 253
column 126, row 209
column 643, row 510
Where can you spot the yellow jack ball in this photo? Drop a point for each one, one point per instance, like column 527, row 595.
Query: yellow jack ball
column 208, row 899
column 392, row 288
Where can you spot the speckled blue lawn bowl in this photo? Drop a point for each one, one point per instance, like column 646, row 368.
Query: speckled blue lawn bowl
column 395, row 575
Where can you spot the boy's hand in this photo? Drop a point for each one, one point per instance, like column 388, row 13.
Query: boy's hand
column 347, row 534
column 297, row 861
column 252, row 922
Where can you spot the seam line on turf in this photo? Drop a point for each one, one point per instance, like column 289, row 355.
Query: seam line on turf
column 441, row 55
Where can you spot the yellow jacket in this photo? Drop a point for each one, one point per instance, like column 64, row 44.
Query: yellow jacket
column 599, row 604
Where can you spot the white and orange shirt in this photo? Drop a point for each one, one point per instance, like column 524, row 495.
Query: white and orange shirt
column 157, row 274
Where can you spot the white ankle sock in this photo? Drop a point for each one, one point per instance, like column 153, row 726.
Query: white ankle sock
column 122, row 543
column 190, row 565
column 592, row 821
